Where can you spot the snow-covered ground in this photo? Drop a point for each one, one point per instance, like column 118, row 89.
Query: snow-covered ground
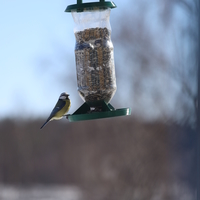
column 40, row 193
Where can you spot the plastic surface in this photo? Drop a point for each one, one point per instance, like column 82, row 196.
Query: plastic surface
column 94, row 61
column 80, row 7
column 94, row 56
column 102, row 110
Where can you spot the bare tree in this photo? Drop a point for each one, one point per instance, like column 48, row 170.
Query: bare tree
column 158, row 59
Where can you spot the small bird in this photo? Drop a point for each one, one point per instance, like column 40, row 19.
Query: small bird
column 60, row 109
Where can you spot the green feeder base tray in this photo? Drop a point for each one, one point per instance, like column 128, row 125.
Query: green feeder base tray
column 97, row 110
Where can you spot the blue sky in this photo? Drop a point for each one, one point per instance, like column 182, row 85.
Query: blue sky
column 29, row 30
column 37, row 58
column 33, row 33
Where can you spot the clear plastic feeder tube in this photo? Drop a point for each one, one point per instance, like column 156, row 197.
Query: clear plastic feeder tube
column 94, row 55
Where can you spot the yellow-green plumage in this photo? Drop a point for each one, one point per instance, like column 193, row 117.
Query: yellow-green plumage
column 60, row 109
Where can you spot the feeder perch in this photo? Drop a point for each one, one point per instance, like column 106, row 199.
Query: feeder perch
column 94, row 60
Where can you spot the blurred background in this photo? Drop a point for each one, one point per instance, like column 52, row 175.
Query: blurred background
column 151, row 154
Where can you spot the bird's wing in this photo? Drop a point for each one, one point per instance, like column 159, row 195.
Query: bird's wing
column 60, row 104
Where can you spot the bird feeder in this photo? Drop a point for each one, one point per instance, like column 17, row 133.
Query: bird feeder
column 94, row 60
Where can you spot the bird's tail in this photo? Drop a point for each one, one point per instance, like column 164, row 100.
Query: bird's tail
column 45, row 123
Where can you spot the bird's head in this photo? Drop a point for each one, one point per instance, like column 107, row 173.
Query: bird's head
column 64, row 96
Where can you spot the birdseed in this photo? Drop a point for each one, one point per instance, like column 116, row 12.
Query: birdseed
column 95, row 64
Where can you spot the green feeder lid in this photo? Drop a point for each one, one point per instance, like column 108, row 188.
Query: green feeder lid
column 103, row 110
column 79, row 7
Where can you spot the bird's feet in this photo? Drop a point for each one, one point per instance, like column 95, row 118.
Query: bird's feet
column 67, row 116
